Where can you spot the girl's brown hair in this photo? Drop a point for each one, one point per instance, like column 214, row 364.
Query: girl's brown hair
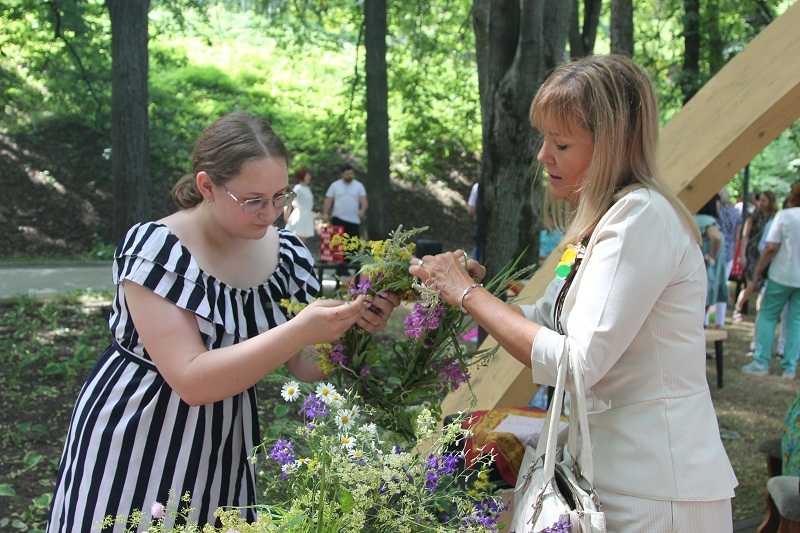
column 222, row 149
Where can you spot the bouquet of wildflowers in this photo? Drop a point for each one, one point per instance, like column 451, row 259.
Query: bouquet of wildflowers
column 335, row 473
column 398, row 376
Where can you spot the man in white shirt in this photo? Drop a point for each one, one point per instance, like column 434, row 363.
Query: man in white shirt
column 348, row 198
column 782, row 254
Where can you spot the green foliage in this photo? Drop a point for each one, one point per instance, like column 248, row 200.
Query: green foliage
column 46, row 350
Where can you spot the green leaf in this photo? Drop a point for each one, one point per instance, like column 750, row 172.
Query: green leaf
column 394, row 380
column 346, row 501
column 32, row 459
column 7, row 490
column 43, row 500
column 19, row 524
column 281, row 410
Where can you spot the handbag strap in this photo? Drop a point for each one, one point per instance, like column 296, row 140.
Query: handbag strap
column 548, row 438
column 579, row 424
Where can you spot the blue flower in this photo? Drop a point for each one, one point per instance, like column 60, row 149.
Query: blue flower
column 314, row 407
column 282, row 452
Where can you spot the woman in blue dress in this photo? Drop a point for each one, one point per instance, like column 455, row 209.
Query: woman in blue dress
column 170, row 407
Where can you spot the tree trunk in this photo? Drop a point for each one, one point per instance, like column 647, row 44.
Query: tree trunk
column 582, row 37
column 716, row 45
column 130, row 157
column 622, row 27
column 690, row 77
column 377, row 181
column 516, row 44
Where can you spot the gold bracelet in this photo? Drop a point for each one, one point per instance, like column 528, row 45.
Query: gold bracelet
column 464, row 295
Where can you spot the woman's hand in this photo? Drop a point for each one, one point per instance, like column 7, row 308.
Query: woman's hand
column 378, row 311
column 327, row 320
column 449, row 273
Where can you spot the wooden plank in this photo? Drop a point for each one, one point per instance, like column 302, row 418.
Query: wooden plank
column 733, row 117
column 713, row 335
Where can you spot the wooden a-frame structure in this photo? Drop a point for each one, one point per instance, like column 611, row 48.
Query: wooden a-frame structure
column 754, row 98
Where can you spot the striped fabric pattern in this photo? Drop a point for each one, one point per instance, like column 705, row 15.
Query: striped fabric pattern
column 132, row 441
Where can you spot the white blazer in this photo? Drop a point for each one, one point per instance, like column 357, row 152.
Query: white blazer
column 634, row 319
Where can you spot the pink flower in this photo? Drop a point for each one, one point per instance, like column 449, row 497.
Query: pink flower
column 158, row 511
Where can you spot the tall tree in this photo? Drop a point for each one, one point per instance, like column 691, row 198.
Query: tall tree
column 716, row 45
column 517, row 43
column 377, row 180
column 622, row 27
column 690, row 75
column 582, row 36
column 130, row 167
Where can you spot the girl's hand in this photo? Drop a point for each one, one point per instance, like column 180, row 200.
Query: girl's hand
column 379, row 310
column 448, row 273
column 327, row 320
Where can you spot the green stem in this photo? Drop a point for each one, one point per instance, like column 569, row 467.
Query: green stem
column 321, row 506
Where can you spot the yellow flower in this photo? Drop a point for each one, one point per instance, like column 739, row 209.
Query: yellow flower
column 323, row 357
column 337, row 240
column 377, row 248
column 482, row 484
column 291, row 307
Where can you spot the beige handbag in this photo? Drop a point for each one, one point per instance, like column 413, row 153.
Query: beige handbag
column 554, row 492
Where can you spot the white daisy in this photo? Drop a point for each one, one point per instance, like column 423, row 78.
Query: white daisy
column 346, row 441
column 326, row 392
column 336, row 400
column 344, row 419
column 290, row 391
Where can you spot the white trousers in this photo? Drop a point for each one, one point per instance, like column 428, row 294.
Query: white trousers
column 628, row 514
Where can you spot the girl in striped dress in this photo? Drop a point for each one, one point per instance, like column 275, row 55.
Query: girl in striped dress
column 170, row 407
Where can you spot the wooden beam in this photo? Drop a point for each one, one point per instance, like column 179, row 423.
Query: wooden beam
column 732, row 118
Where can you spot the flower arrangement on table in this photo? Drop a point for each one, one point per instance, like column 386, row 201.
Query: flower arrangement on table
column 336, row 474
column 398, row 376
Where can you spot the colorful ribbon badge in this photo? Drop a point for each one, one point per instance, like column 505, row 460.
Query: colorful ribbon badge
column 567, row 261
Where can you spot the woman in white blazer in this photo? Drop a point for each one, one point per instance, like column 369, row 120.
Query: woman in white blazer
column 630, row 307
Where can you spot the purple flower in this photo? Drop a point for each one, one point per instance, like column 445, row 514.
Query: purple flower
column 431, row 480
column 562, row 526
column 282, row 452
column 361, row 287
column 337, row 355
column 365, row 371
column 486, row 514
column 314, row 407
column 437, row 466
column 451, row 372
column 422, row 319
column 158, row 511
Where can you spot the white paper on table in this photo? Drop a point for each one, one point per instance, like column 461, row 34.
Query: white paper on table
column 525, row 428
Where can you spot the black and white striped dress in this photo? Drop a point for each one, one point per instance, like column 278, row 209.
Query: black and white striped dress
column 132, row 441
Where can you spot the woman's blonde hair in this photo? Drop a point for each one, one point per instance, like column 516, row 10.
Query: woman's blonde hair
column 223, row 148
column 613, row 99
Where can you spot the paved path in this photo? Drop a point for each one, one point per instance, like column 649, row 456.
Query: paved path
column 53, row 279
column 58, row 278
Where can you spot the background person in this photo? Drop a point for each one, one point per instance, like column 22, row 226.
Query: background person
column 346, row 202
column 751, row 235
column 299, row 215
column 782, row 256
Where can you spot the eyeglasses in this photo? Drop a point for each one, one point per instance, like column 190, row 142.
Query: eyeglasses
column 254, row 205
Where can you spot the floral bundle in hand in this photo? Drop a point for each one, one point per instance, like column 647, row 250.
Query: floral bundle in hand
column 401, row 372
